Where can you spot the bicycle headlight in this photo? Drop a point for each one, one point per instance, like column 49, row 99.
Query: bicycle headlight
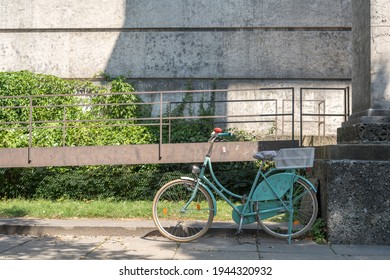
column 195, row 169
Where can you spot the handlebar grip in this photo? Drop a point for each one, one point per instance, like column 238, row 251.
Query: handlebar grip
column 225, row 134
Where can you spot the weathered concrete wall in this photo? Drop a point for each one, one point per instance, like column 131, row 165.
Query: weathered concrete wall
column 160, row 45
column 182, row 39
column 354, row 177
column 371, row 58
column 370, row 119
column 355, row 214
column 354, row 192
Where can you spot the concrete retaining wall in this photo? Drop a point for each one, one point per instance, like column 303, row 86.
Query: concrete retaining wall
column 160, row 45
column 307, row 39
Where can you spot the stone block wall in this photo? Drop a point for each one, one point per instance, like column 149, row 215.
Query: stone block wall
column 354, row 203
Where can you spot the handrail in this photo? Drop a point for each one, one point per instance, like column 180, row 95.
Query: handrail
column 162, row 102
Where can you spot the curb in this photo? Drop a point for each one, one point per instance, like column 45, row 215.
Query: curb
column 105, row 228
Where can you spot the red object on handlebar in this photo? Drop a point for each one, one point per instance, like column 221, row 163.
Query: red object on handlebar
column 218, row 130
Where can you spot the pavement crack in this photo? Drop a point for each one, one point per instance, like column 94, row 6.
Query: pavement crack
column 176, row 249
column 101, row 244
column 20, row 244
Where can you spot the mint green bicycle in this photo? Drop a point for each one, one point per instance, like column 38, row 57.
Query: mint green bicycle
column 282, row 202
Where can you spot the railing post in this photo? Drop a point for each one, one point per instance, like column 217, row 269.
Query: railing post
column 30, row 120
column 161, row 126
column 170, row 122
column 293, row 115
column 64, row 128
column 300, row 117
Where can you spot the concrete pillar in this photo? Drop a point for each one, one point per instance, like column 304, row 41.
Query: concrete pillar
column 370, row 119
column 354, row 175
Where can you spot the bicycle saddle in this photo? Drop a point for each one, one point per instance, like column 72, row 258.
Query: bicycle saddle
column 265, row 155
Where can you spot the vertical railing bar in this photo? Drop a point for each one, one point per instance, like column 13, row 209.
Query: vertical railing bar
column 324, row 122
column 30, row 129
column 283, row 117
column 64, row 128
column 293, row 115
column 349, row 105
column 169, row 122
column 161, row 126
column 300, row 118
column 276, row 119
column 346, row 103
column 319, row 119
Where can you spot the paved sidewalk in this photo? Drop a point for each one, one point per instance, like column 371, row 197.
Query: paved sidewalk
column 139, row 240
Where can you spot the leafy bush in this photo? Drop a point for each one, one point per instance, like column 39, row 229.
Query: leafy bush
column 117, row 182
column 102, row 182
column 49, row 111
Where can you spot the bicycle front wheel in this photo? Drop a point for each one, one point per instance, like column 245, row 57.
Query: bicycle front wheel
column 275, row 215
column 182, row 212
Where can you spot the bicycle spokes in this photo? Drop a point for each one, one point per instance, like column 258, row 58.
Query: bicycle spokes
column 291, row 215
column 182, row 213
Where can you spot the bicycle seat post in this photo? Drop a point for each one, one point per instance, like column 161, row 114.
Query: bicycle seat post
column 211, row 141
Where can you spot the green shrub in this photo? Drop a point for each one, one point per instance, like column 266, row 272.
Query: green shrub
column 116, row 182
column 80, row 131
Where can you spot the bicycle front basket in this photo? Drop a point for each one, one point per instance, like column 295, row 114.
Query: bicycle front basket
column 294, row 158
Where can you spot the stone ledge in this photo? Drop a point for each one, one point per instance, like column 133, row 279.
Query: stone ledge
column 365, row 133
column 369, row 152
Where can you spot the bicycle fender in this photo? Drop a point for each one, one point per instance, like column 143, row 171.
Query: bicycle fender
column 307, row 182
column 192, row 180
column 280, row 183
column 274, row 186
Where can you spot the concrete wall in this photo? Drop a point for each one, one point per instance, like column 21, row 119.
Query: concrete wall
column 371, row 50
column 169, row 39
column 160, row 45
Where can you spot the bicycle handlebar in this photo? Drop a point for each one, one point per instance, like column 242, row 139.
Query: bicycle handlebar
column 218, row 133
column 224, row 134
column 214, row 135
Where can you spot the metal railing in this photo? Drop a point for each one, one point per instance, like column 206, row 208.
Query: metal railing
column 31, row 110
column 321, row 116
column 228, row 111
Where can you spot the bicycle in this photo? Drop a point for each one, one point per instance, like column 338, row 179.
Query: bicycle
column 280, row 200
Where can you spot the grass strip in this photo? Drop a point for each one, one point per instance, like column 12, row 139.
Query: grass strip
column 70, row 209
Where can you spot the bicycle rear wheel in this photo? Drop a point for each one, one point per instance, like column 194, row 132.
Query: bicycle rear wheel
column 305, row 208
column 177, row 221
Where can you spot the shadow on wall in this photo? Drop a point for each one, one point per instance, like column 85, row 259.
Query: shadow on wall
column 155, row 48
column 166, row 43
column 380, row 87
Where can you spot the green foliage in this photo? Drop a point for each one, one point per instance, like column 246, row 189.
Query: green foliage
column 113, row 182
column 21, row 182
column 236, row 176
column 102, row 182
column 87, row 182
column 99, row 119
column 318, row 231
column 192, row 130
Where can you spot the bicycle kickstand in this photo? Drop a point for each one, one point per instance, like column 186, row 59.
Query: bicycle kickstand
column 239, row 230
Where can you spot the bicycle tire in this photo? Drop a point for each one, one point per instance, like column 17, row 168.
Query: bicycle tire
column 305, row 209
column 177, row 223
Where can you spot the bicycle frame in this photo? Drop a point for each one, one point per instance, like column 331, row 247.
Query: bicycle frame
column 246, row 209
column 220, row 189
column 281, row 201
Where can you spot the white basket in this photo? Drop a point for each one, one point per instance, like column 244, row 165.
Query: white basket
column 294, row 158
